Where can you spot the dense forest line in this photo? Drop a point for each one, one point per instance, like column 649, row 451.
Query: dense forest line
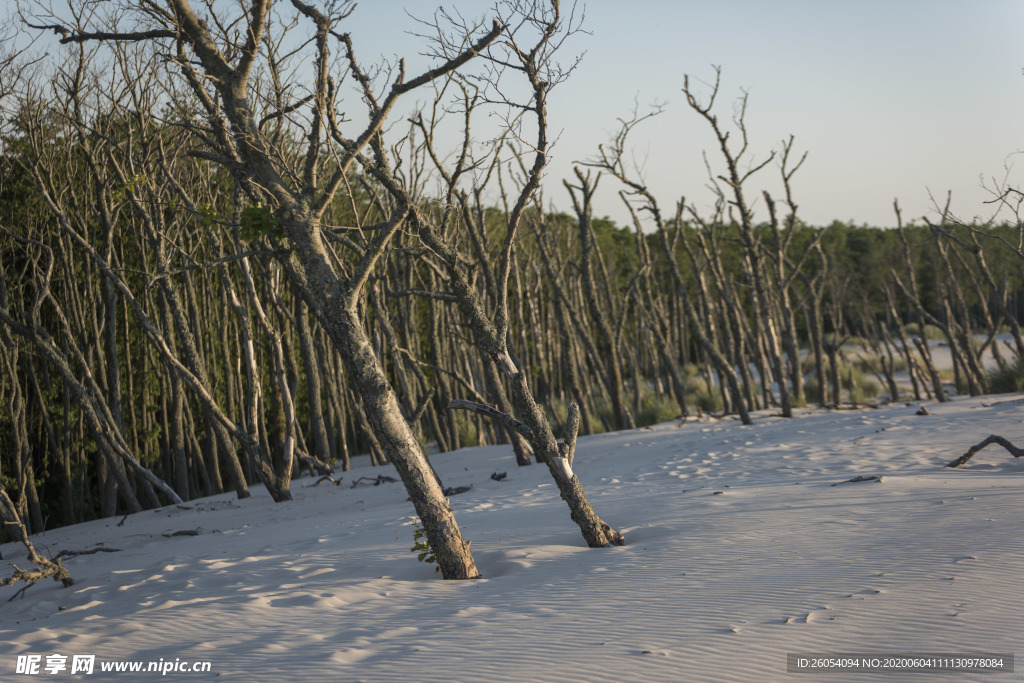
column 200, row 295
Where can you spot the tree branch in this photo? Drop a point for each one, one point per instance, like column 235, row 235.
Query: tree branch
column 505, row 420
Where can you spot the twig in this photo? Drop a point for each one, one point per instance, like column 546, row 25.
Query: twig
column 858, row 479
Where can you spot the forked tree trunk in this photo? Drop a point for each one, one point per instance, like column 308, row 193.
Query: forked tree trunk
column 596, row 531
column 328, row 299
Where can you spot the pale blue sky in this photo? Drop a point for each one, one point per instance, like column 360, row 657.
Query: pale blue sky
column 890, row 98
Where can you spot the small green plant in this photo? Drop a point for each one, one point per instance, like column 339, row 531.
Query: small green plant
column 257, row 220
column 859, row 387
column 121, row 192
column 854, row 380
column 871, row 363
column 605, row 414
column 864, row 390
column 424, row 553
column 467, row 430
column 207, row 215
column 556, row 410
column 811, row 387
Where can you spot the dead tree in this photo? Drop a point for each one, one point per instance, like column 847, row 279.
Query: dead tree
column 956, row 324
column 223, row 68
column 910, row 289
column 71, row 364
column 895, row 322
column 491, row 331
column 652, row 311
column 781, row 262
column 612, row 158
column 475, row 219
column 764, row 327
column 610, row 352
column 815, row 285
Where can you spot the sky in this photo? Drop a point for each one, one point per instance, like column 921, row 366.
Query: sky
column 908, row 99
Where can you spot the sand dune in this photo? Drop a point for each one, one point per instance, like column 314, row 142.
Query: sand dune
column 742, row 546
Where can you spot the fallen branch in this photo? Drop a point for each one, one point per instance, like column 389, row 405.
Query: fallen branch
column 858, row 479
column 456, row 490
column 377, row 481
column 76, row 553
column 327, row 477
column 184, row 532
column 315, row 463
column 46, row 568
column 1014, row 451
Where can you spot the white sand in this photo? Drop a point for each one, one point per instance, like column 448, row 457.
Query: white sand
column 710, row 586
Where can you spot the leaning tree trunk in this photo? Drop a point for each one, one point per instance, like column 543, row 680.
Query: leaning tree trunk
column 401, row 446
column 492, row 345
column 559, row 458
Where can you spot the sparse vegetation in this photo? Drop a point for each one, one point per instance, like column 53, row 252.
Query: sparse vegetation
column 708, row 399
column 655, row 409
column 931, row 332
column 1007, row 380
column 871, row 363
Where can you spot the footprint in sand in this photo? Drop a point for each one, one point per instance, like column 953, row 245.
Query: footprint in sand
column 812, row 617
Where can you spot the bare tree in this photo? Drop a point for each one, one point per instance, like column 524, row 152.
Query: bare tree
column 910, row 291
column 491, row 330
column 75, row 372
column 612, row 158
column 611, row 352
column 227, row 71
